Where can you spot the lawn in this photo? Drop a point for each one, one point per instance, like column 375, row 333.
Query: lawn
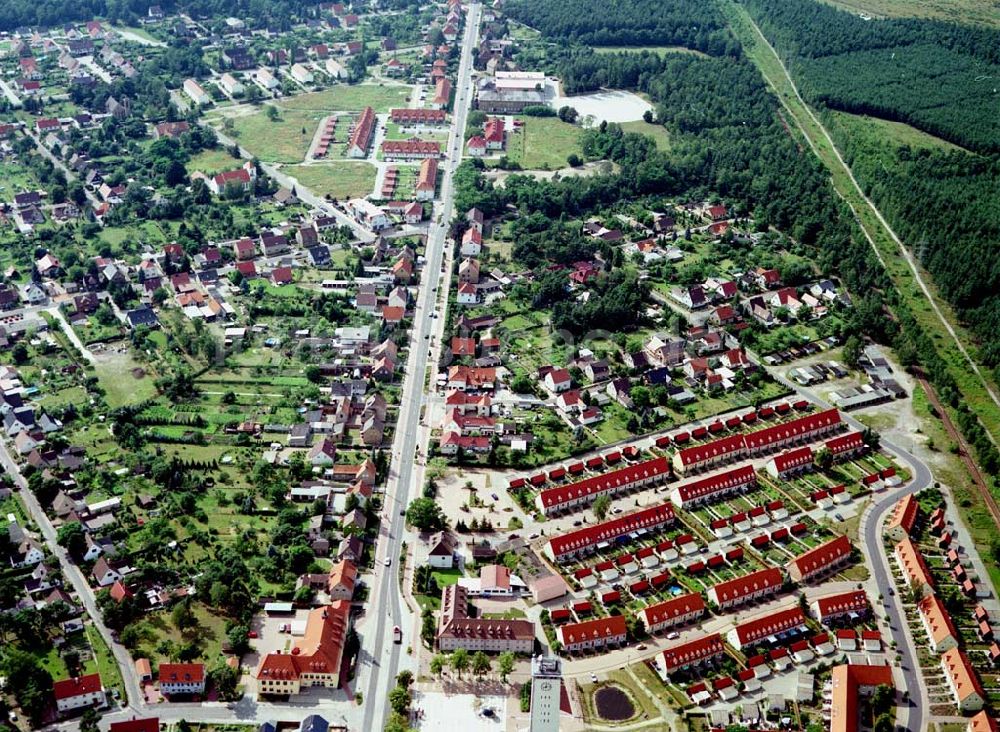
column 658, row 132
column 543, row 143
column 977, row 12
column 897, row 133
column 282, row 140
column 107, row 667
column 337, row 180
column 114, row 372
column 213, row 161
column 351, row 98
column 445, row 577
column 162, row 639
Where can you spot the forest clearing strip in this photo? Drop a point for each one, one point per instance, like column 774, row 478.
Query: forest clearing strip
column 880, row 235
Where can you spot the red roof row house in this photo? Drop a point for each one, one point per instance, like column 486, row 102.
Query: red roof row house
column 714, row 487
column 582, row 493
column 674, row 612
column 693, row 653
column 587, row 539
column 820, row 560
column 754, row 586
column 751, row 632
column 832, row 607
column 726, row 449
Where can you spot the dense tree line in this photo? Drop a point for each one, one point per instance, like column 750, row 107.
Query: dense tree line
column 937, row 76
column 814, row 29
column 943, row 203
column 278, row 14
column 690, row 23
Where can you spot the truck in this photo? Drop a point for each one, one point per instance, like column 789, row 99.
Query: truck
column 397, row 634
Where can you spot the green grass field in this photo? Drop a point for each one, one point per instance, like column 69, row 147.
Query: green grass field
column 351, row 98
column 339, row 180
column 897, row 133
column 120, row 386
column 284, row 140
column 658, row 132
column 107, row 667
column 543, row 143
column 968, row 12
column 213, row 161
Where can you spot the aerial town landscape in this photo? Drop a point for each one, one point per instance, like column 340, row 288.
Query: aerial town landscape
column 526, row 365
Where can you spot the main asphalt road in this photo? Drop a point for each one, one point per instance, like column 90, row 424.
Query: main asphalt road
column 870, row 535
column 379, row 653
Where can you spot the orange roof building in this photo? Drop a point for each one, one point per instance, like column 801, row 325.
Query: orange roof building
column 962, row 680
column 937, row 624
column 914, row 567
column 902, row 519
column 849, row 682
column 314, row 661
column 982, row 722
column 340, row 584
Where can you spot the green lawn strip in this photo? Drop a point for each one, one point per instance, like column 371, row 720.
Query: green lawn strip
column 543, row 143
column 658, row 132
column 107, row 667
column 213, row 161
column 338, row 180
column 351, row 98
column 285, row 139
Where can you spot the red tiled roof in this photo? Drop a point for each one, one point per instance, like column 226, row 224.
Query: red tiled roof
column 792, row 459
column 673, row 608
column 904, row 514
column 69, row 688
column 418, row 115
column 841, row 603
column 692, row 651
column 799, row 427
column 610, row 627
column 844, row 443
column 963, row 676
column 722, row 447
column 187, row 673
column 364, row 125
column 823, row 556
column 743, row 475
column 736, row 589
column 600, row 483
column 754, row 630
column 588, row 536
column 147, row 724
column 411, row 147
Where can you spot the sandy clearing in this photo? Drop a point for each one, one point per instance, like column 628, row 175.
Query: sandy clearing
column 609, row 105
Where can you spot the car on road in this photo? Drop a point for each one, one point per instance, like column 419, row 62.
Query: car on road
column 533, row 536
column 616, row 510
column 593, row 678
column 513, row 536
column 641, row 647
column 387, row 561
column 838, row 516
column 578, row 522
column 673, row 635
